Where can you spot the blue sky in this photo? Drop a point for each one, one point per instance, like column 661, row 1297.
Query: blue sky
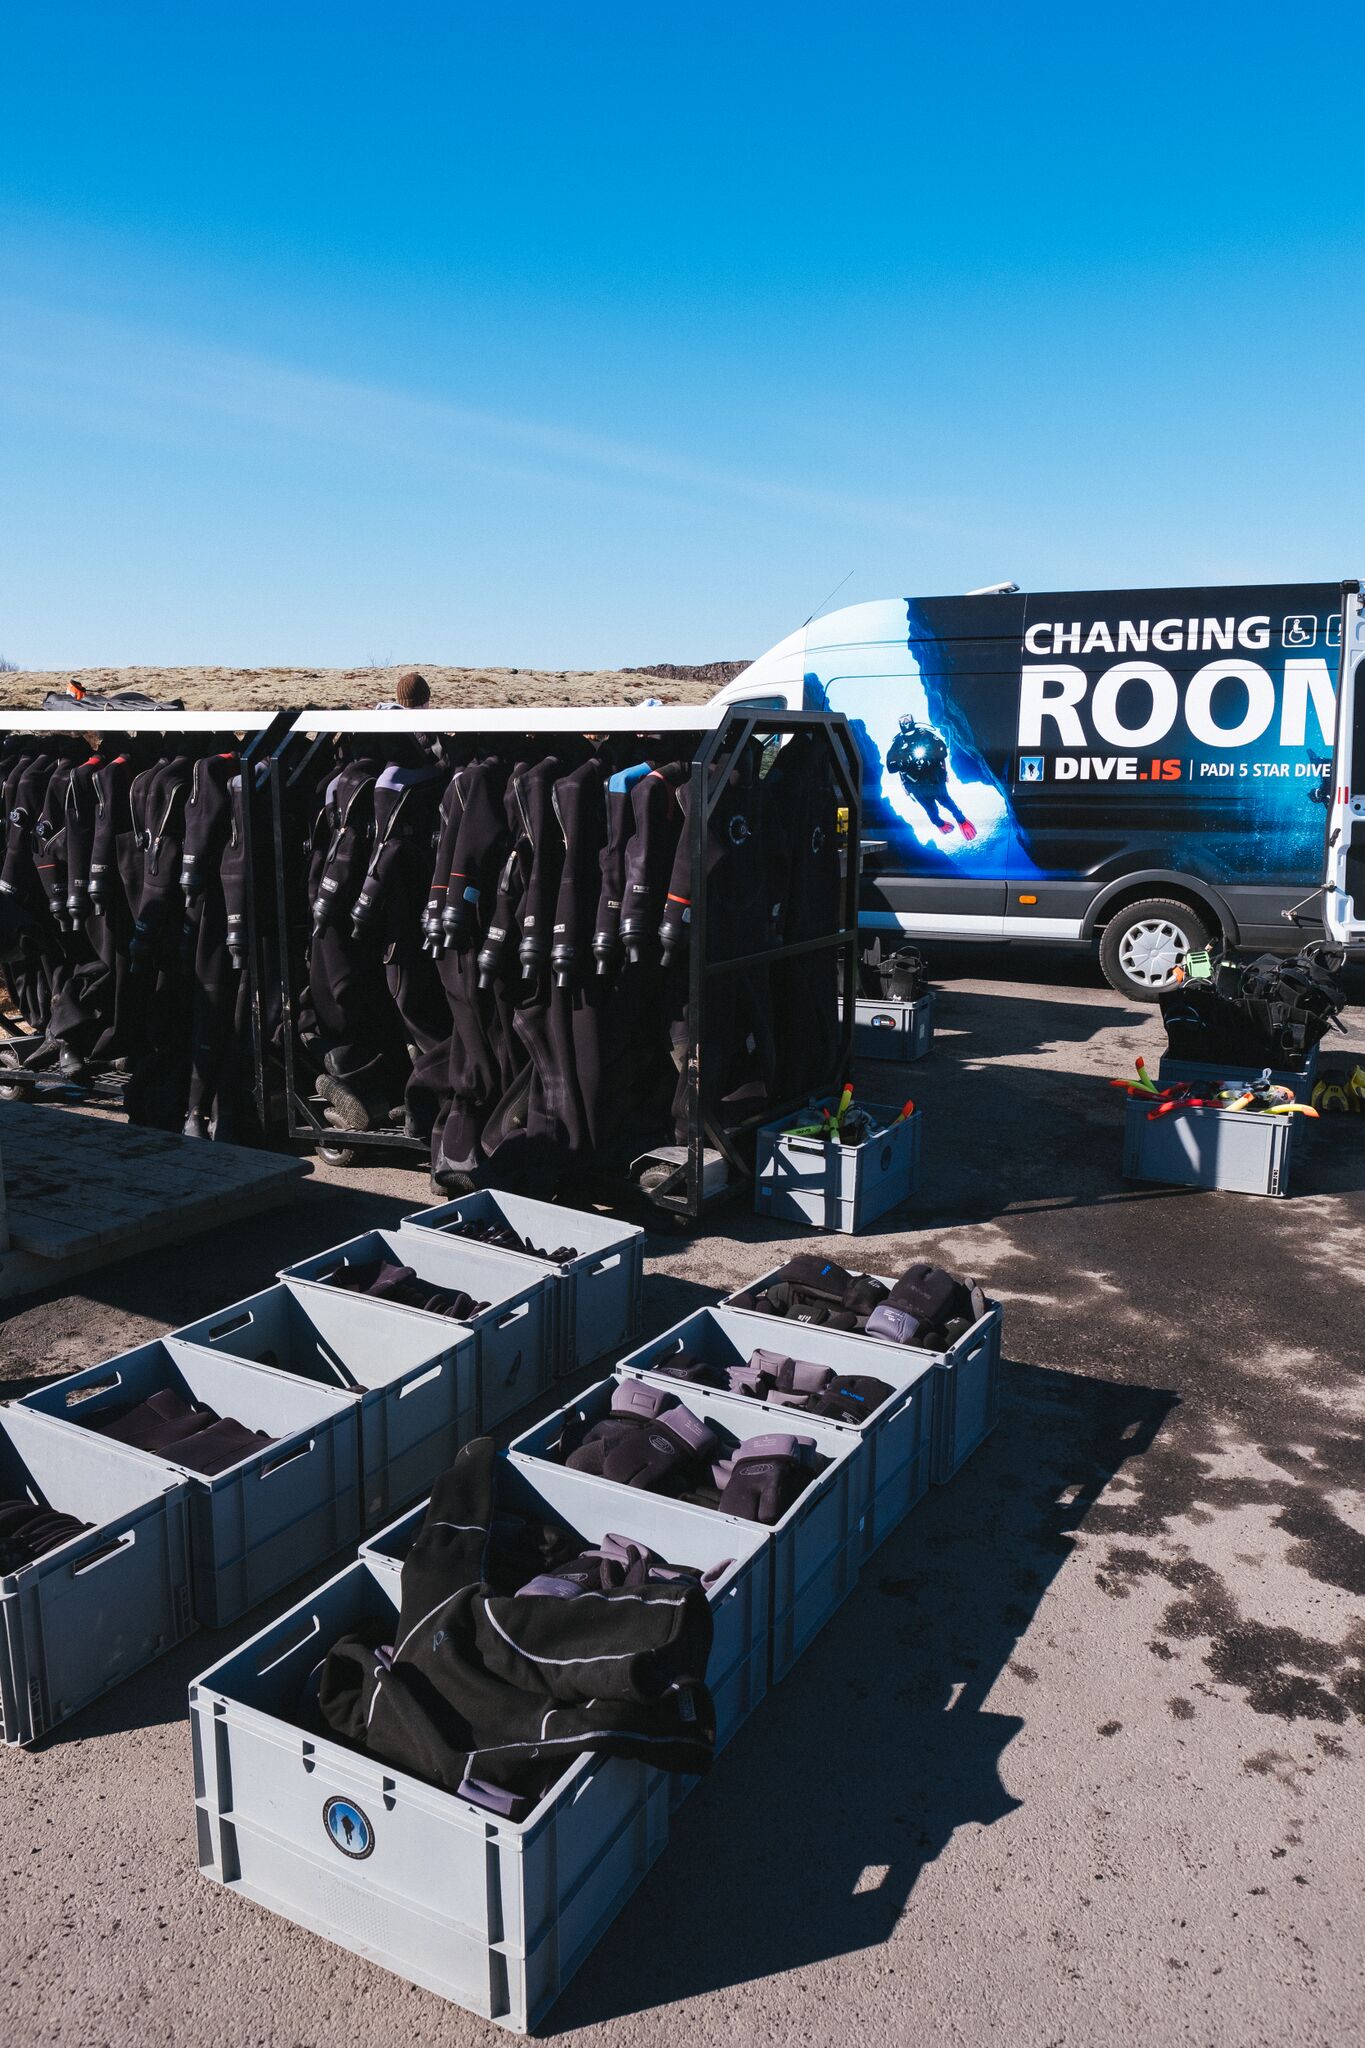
column 569, row 336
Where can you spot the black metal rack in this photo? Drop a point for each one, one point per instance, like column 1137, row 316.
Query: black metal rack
column 261, row 734
column 720, row 733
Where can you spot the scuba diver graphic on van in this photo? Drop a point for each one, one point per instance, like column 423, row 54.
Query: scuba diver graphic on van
column 919, row 755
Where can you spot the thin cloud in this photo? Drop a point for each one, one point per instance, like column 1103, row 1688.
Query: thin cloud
column 150, row 384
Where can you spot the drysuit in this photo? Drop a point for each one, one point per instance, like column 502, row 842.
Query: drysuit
column 358, row 1032
column 495, row 1679
column 801, row 811
column 213, row 879
column 485, row 1055
column 734, row 1068
column 387, row 915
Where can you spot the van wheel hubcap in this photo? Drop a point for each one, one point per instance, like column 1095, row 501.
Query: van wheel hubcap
column 1150, row 952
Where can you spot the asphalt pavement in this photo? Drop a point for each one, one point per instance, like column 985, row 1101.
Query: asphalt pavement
column 1079, row 1761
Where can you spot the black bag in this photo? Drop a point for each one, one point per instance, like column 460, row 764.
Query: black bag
column 1263, row 1012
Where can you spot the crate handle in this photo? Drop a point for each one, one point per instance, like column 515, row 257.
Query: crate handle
column 103, row 1555
column 287, row 1458
column 976, row 1339
column 433, row 1372
column 514, row 1315
column 221, row 1330
column 78, row 1396
column 604, row 1265
column 276, row 1652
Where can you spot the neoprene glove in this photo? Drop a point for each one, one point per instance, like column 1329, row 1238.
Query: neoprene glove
column 757, row 1378
column 591, row 1455
column 815, row 1278
column 653, row 1456
column 864, row 1296
column 899, row 1326
column 851, row 1398
column 794, row 1376
column 767, row 1475
column 633, row 1405
column 681, row 1365
column 936, row 1297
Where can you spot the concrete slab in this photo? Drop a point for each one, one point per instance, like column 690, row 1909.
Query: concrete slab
column 82, row 1189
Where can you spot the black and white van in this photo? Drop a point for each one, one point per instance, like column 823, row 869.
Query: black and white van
column 1141, row 769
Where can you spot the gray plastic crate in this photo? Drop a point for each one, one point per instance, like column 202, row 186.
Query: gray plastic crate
column 515, row 1336
column 494, row 1914
column 416, row 1386
column 835, row 1187
column 889, row 1030
column 282, row 1511
column 898, row 1435
column 816, row 1548
column 1237, row 1150
column 599, row 1290
column 966, row 1376
column 86, row 1615
column 737, row 1671
column 1300, row 1079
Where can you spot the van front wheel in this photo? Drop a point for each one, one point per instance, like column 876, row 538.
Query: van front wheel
column 1144, row 943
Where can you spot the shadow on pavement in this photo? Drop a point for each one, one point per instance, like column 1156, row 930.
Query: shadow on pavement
column 178, row 1283
column 977, row 1024
column 807, row 1840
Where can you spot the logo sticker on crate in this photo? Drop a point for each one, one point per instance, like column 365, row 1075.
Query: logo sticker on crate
column 348, row 1828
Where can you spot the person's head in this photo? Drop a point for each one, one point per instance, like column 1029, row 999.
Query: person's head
column 908, row 722
column 412, row 691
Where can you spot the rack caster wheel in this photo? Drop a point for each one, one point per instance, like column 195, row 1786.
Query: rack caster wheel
column 16, row 1084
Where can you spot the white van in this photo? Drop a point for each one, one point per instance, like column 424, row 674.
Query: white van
column 1141, row 770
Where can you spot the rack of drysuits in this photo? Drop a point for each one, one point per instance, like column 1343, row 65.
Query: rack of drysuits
column 555, row 960
column 128, row 914
column 543, row 958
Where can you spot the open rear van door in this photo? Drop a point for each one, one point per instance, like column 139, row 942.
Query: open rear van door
column 1344, row 880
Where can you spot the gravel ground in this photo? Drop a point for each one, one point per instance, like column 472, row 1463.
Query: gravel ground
column 1077, row 1763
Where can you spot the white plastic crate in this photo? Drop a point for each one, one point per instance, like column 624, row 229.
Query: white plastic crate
column 898, row 1435
column 1300, row 1079
column 494, row 1914
column 737, row 1671
column 599, row 1289
column 416, row 1386
column 815, row 1549
column 966, row 1379
column 887, row 1029
column 1238, row 1150
column 280, row 1512
column 87, row 1614
column 833, row 1186
column 515, row 1336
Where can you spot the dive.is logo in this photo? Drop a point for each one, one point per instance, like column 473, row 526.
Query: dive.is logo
column 348, row 1828
column 1030, row 767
